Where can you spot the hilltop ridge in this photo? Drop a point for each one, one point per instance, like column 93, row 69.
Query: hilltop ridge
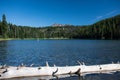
column 105, row 29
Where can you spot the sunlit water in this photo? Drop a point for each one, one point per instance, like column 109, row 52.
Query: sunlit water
column 61, row 53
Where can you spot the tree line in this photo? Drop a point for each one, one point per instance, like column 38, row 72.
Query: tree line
column 105, row 29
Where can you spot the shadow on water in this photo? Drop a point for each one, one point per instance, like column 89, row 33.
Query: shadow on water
column 3, row 51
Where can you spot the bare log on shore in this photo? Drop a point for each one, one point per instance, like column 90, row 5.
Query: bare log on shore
column 22, row 71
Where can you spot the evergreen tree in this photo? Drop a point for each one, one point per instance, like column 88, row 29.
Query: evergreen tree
column 0, row 29
column 4, row 27
column 104, row 29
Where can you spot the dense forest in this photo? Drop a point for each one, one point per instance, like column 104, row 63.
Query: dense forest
column 105, row 29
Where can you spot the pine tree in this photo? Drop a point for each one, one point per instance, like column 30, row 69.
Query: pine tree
column 4, row 27
column 0, row 29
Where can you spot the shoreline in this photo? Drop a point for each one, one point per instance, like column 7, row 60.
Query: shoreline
column 7, row 39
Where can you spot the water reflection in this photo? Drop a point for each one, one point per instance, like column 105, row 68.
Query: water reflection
column 61, row 53
column 61, row 77
column 3, row 51
column 114, row 76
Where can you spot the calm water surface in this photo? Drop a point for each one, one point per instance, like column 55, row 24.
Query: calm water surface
column 61, row 53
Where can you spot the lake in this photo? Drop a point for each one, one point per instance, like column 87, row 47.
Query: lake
column 62, row 53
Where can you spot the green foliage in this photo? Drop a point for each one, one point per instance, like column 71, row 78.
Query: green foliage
column 0, row 29
column 4, row 27
column 105, row 29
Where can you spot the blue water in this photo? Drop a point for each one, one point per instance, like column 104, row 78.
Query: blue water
column 61, row 53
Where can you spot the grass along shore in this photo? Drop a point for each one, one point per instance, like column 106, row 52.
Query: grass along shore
column 4, row 39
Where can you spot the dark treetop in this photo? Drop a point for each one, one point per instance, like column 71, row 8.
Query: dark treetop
column 105, row 29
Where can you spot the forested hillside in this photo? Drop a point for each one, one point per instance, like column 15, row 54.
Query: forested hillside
column 105, row 29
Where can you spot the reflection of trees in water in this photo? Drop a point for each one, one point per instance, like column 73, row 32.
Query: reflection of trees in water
column 3, row 51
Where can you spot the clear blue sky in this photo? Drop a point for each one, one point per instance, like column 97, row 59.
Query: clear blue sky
column 47, row 12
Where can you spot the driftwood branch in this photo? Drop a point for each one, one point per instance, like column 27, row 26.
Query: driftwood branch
column 55, row 71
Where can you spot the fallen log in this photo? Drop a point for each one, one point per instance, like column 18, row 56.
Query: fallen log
column 22, row 71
